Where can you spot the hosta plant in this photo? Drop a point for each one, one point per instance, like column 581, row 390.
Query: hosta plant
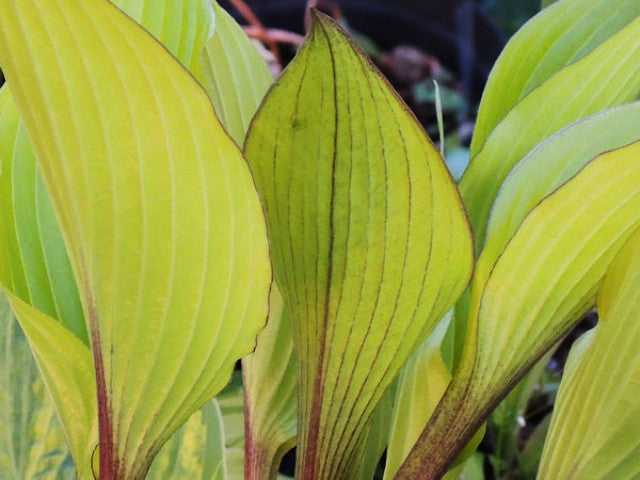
column 161, row 202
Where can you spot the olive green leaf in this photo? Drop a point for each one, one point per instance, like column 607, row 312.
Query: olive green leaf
column 32, row 443
column 543, row 281
column 548, row 43
column 166, row 239
column 236, row 75
column 607, row 76
column 595, row 424
column 370, row 242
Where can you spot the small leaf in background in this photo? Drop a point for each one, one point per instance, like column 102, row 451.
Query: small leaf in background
column 595, row 424
column 607, row 76
column 370, row 242
column 543, row 282
column 183, row 27
column 150, row 226
column 236, row 75
column 196, row 451
column 270, row 391
column 32, row 443
column 421, row 383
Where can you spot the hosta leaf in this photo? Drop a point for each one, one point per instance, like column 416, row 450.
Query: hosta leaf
column 607, row 76
column 182, row 26
column 32, row 443
column 166, row 239
column 67, row 369
column 549, row 42
column 377, row 436
column 369, row 239
column 421, row 384
column 595, row 424
column 544, row 280
column 231, row 404
column 236, row 75
column 52, row 288
column 550, row 165
column 270, row 382
column 11, row 268
column 196, row 451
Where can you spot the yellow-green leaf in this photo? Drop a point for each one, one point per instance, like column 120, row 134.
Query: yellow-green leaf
column 11, row 268
column 66, row 366
column 596, row 419
column 32, row 443
column 370, row 242
column 421, row 384
column 183, row 27
column 549, row 42
column 270, row 388
column 607, row 76
column 196, row 451
column 544, row 280
column 166, row 238
column 236, row 75
column 547, row 167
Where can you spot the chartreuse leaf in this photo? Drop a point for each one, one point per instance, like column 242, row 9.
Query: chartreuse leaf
column 595, row 424
column 32, row 443
column 421, row 384
column 11, row 268
column 549, row 42
column 607, row 76
column 166, row 239
column 236, row 74
column 196, row 451
column 67, row 369
column 270, row 383
column 545, row 169
column 544, row 280
column 370, row 242
column 182, row 27
column 550, row 165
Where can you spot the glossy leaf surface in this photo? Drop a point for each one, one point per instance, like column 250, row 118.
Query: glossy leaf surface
column 370, row 242
column 126, row 206
column 595, row 424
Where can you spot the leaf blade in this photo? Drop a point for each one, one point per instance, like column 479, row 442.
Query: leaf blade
column 111, row 255
column 325, row 220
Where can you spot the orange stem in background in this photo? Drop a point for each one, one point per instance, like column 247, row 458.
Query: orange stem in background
column 255, row 23
column 277, row 35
